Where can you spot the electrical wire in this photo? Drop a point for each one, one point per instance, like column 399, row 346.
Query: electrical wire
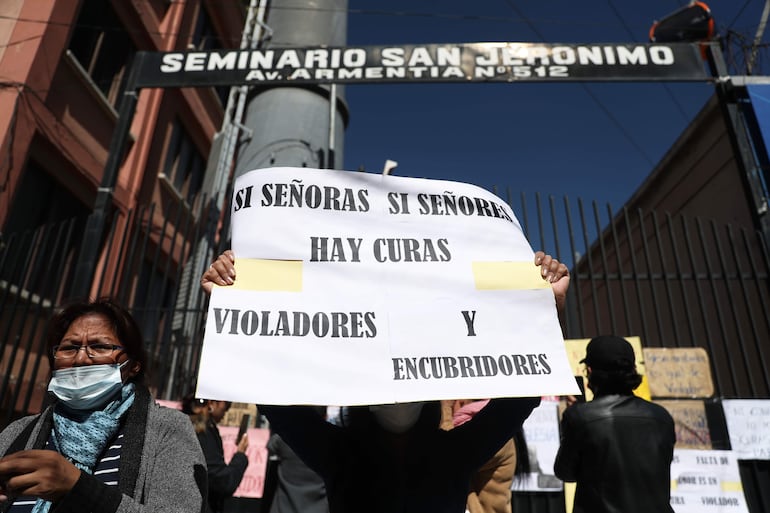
column 665, row 86
column 363, row 12
column 740, row 11
column 621, row 128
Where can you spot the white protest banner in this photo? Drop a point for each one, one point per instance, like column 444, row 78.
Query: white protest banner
column 541, row 432
column 706, row 481
column 354, row 288
column 748, row 426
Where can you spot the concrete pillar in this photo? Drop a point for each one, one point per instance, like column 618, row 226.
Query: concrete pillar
column 291, row 125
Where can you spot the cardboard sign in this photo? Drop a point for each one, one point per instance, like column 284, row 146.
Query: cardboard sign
column 354, row 288
column 678, row 372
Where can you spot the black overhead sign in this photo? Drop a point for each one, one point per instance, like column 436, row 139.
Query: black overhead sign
column 466, row 62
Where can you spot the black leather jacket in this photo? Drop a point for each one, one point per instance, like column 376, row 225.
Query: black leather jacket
column 618, row 448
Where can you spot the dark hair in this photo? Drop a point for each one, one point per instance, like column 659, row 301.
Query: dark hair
column 618, row 381
column 190, row 402
column 123, row 323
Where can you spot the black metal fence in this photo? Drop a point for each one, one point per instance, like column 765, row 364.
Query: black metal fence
column 673, row 281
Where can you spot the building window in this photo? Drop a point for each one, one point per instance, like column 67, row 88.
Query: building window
column 185, row 165
column 204, row 38
column 103, row 47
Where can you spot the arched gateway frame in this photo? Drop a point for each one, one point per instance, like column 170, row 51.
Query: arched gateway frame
column 462, row 62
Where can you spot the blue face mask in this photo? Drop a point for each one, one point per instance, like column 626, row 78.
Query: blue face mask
column 88, row 387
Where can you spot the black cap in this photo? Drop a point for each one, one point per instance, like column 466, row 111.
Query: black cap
column 609, row 353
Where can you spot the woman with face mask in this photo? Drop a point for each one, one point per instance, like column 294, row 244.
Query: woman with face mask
column 103, row 445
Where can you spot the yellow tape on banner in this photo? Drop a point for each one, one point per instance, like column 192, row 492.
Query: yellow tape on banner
column 732, row 486
column 276, row 275
column 508, row 276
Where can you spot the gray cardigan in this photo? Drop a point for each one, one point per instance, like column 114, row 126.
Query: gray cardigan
column 162, row 467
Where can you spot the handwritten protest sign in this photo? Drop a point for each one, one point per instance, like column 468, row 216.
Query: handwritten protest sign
column 678, row 372
column 703, row 481
column 748, row 425
column 354, row 288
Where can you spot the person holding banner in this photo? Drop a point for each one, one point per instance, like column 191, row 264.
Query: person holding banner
column 617, row 447
column 103, row 445
column 395, row 457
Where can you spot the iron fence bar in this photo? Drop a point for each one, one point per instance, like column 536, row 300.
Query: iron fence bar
column 160, row 337
column 666, row 276
column 540, row 224
column 509, row 197
column 154, row 266
column 167, row 340
column 704, row 315
column 736, row 319
column 190, row 289
column 576, row 278
column 555, row 228
column 720, row 320
column 682, row 287
column 124, row 238
column 172, row 244
column 621, row 276
column 108, row 243
column 130, row 261
column 591, row 273
column 635, row 274
column 25, row 310
column 13, row 263
column 651, row 279
column 747, row 301
column 15, row 309
column 5, row 253
column 764, row 306
column 42, row 349
column 177, row 368
column 605, row 262
column 143, row 236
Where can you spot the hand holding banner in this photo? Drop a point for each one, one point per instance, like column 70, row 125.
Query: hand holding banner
column 355, row 288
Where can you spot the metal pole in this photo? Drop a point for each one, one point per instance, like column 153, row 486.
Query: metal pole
column 333, row 124
column 290, row 124
column 92, row 237
column 758, row 37
column 741, row 139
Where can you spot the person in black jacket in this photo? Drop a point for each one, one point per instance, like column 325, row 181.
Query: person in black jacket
column 223, row 478
column 617, row 447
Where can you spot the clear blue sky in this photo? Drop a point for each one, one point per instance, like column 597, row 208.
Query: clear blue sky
column 551, row 138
